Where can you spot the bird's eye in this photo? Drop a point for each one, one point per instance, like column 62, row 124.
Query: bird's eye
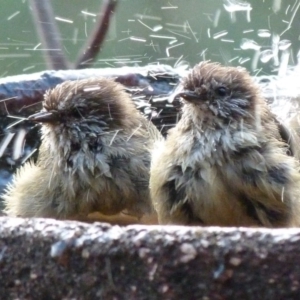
column 221, row 91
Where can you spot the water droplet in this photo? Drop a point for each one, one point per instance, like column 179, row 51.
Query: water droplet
column 266, row 55
column 298, row 57
column 220, row 34
column 249, row 44
column 284, row 44
column 147, row 110
column 243, row 60
column 276, row 38
column 264, row 33
column 58, row 248
column 157, row 28
column 237, row 5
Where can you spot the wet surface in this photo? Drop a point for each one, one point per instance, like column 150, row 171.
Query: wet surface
column 146, row 262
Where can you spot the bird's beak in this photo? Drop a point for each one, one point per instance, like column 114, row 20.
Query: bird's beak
column 44, row 117
column 189, row 96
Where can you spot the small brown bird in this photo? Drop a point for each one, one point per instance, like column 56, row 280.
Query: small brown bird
column 226, row 162
column 94, row 156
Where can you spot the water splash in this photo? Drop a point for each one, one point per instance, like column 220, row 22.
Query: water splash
column 263, row 33
column 266, row 55
column 236, row 5
column 249, row 44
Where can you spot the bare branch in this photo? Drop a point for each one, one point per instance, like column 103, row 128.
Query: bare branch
column 91, row 48
column 49, row 34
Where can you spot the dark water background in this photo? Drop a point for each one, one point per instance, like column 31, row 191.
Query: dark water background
column 174, row 32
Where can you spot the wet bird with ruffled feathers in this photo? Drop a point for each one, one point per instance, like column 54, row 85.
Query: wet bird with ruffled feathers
column 227, row 162
column 94, row 156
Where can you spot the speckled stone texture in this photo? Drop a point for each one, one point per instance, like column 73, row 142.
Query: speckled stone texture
column 47, row 259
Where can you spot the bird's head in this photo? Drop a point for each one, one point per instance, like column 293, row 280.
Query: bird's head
column 76, row 115
column 220, row 94
column 97, row 101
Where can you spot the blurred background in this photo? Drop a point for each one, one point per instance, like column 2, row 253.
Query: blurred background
column 261, row 35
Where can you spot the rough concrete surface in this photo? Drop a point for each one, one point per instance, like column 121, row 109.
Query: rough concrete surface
column 48, row 259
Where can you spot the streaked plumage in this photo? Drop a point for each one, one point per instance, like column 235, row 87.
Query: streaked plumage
column 226, row 162
column 94, row 156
